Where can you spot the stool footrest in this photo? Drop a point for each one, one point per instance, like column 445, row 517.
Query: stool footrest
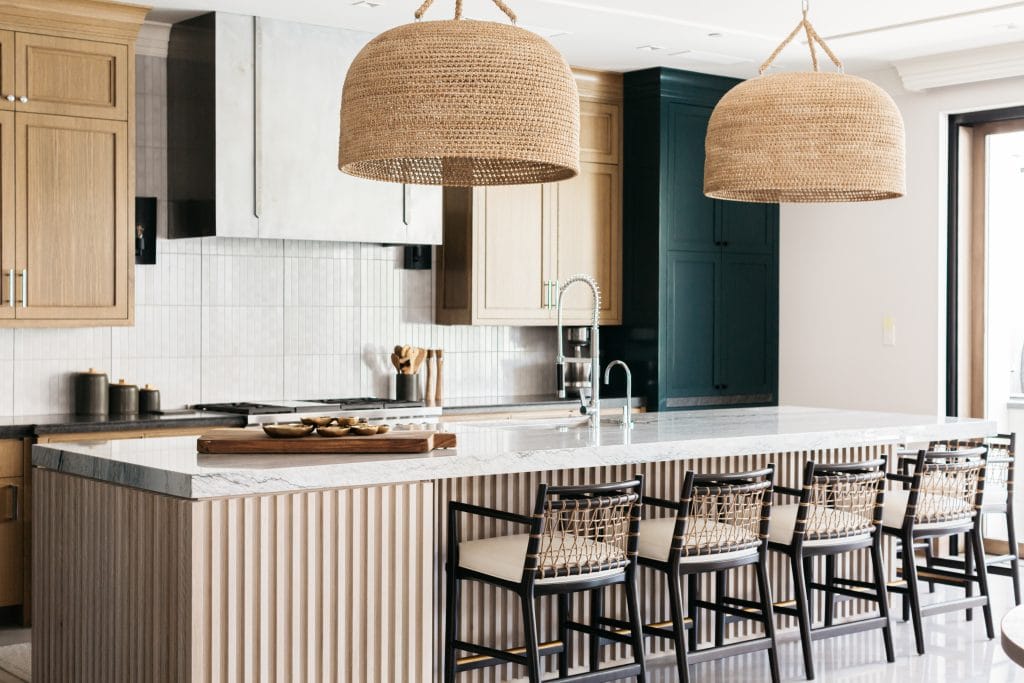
column 953, row 605
column 729, row 650
column 615, row 673
column 738, row 612
column 483, row 656
column 619, row 635
column 848, row 627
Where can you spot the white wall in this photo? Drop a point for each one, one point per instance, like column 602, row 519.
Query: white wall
column 845, row 267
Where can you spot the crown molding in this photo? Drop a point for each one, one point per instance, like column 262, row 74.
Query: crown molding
column 153, row 39
column 965, row 66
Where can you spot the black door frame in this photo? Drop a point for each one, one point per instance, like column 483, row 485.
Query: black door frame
column 956, row 122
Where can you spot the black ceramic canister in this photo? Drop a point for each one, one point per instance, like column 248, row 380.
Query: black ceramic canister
column 91, row 392
column 149, row 399
column 124, row 399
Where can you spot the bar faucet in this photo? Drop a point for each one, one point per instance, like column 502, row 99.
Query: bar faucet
column 593, row 406
column 627, row 418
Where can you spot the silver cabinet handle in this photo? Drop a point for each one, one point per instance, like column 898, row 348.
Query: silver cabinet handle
column 24, row 288
column 10, row 287
column 547, row 294
column 23, row 99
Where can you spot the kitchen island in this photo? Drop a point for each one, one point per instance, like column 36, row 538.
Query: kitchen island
column 153, row 562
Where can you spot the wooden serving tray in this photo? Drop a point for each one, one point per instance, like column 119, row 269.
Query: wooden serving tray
column 256, row 442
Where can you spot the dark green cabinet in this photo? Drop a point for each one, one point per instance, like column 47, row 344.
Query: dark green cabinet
column 700, row 275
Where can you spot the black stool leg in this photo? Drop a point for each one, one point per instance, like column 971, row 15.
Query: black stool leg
column 596, row 610
column 1011, row 537
column 691, row 599
column 974, row 538
column 675, row 601
column 883, row 599
column 830, row 577
column 913, row 597
column 636, row 625
column 803, row 615
column 719, row 616
column 929, row 561
column 769, row 618
column 451, row 625
column 968, row 571
column 564, row 657
column 530, row 634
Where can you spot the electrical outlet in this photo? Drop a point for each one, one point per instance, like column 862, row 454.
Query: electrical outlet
column 888, row 331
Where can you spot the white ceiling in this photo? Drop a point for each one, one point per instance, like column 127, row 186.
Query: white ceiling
column 605, row 34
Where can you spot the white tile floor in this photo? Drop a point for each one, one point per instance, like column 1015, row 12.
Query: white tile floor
column 957, row 652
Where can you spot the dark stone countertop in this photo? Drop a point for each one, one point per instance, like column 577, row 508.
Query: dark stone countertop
column 21, row 426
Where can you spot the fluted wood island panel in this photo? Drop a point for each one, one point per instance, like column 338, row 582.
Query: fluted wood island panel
column 155, row 563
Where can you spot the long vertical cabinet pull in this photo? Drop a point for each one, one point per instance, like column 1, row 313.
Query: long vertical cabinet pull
column 24, row 288
column 10, row 287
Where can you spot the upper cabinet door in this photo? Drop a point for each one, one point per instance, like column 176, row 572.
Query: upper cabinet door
column 589, row 240
column 689, row 215
column 600, row 132
column 7, row 89
column 748, row 227
column 71, row 218
column 301, row 194
column 71, row 77
column 511, row 240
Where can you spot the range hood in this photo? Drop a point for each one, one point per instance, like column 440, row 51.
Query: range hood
column 253, row 108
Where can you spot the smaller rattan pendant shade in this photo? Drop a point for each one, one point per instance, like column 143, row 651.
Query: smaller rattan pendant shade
column 460, row 103
column 805, row 137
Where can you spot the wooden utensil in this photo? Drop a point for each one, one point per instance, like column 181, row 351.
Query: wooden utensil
column 396, row 361
column 431, row 396
column 439, row 389
column 254, row 442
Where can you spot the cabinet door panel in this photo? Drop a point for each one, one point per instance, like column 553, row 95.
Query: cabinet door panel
column 7, row 83
column 301, row 193
column 747, row 360
column 72, row 217
column 12, row 529
column 7, row 255
column 513, row 250
column 600, row 132
column 747, row 227
column 689, row 215
column 72, row 77
column 589, row 240
column 688, row 349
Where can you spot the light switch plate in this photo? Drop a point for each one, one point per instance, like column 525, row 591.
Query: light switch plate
column 888, row 331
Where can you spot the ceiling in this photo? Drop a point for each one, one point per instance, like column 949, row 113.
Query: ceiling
column 729, row 37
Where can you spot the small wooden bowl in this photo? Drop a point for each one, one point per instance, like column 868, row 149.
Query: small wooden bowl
column 290, row 430
column 383, row 429
column 365, row 429
column 317, row 421
column 348, row 421
column 333, row 432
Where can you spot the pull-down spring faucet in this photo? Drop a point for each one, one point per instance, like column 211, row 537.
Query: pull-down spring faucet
column 593, row 408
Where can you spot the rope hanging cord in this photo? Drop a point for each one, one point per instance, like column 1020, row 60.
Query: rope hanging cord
column 812, row 38
column 458, row 9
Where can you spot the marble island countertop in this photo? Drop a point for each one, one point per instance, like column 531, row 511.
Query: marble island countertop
column 171, row 465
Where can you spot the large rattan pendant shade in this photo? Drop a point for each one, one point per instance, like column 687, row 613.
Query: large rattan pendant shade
column 460, row 103
column 805, row 137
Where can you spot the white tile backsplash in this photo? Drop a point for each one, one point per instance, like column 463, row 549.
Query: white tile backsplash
column 221, row 319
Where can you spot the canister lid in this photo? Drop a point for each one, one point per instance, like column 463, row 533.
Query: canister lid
column 122, row 383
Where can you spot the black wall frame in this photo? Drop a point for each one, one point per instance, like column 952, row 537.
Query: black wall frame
column 956, row 122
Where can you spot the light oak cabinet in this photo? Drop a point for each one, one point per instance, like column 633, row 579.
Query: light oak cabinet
column 13, row 508
column 67, row 162
column 507, row 249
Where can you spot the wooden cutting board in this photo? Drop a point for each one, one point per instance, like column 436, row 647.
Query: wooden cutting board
column 256, row 442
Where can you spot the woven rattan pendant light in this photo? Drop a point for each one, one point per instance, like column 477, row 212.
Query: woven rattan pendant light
column 805, row 136
column 460, row 103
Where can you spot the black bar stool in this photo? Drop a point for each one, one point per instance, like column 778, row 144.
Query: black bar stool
column 941, row 498
column 998, row 500
column 719, row 523
column 582, row 538
column 840, row 510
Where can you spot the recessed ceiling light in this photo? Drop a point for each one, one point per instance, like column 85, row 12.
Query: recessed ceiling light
column 1006, row 27
column 369, row 4
column 714, row 34
column 650, row 48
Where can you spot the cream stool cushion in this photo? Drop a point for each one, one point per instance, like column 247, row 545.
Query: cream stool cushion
column 656, row 540
column 782, row 522
column 504, row 557
column 896, row 507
